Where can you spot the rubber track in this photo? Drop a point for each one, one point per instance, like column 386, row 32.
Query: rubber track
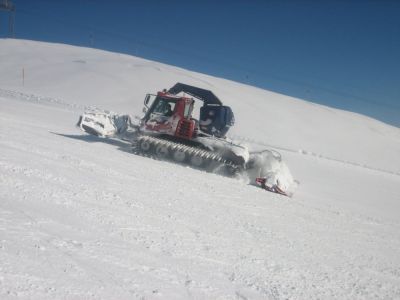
column 173, row 146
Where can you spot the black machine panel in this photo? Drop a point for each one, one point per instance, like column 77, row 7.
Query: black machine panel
column 216, row 120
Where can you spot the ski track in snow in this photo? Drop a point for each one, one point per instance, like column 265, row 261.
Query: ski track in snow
column 309, row 153
column 83, row 218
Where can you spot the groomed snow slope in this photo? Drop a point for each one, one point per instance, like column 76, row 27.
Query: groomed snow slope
column 83, row 218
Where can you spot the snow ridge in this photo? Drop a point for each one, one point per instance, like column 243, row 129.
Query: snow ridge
column 17, row 95
column 310, row 153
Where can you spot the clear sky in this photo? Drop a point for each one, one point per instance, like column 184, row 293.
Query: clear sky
column 344, row 54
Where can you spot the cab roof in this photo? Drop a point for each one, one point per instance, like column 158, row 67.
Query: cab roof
column 206, row 96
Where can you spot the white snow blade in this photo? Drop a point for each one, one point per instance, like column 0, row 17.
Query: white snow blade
column 104, row 124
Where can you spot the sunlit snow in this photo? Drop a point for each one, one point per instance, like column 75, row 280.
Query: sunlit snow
column 83, row 218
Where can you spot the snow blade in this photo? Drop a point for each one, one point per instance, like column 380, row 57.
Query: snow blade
column 104, row 124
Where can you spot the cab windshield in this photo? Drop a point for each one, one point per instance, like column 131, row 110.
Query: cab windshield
column 163, row 107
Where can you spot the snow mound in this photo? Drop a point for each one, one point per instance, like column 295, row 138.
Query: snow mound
column 269, row 164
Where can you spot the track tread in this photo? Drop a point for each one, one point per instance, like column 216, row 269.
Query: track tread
column 210, row 157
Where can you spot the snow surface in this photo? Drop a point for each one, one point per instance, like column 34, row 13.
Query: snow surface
column 83, row 218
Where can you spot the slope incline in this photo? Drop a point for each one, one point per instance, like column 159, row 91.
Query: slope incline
column 82, row 217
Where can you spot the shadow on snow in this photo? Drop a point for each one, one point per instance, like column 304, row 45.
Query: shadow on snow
column 123, row 146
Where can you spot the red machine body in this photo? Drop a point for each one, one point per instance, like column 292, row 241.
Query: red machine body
column 170, row 115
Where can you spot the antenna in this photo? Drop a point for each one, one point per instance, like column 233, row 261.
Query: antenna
column 8, row 6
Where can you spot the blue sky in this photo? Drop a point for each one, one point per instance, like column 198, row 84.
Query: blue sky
column 344, row 54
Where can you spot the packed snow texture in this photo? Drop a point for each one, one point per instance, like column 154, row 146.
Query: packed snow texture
column 83, row 218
